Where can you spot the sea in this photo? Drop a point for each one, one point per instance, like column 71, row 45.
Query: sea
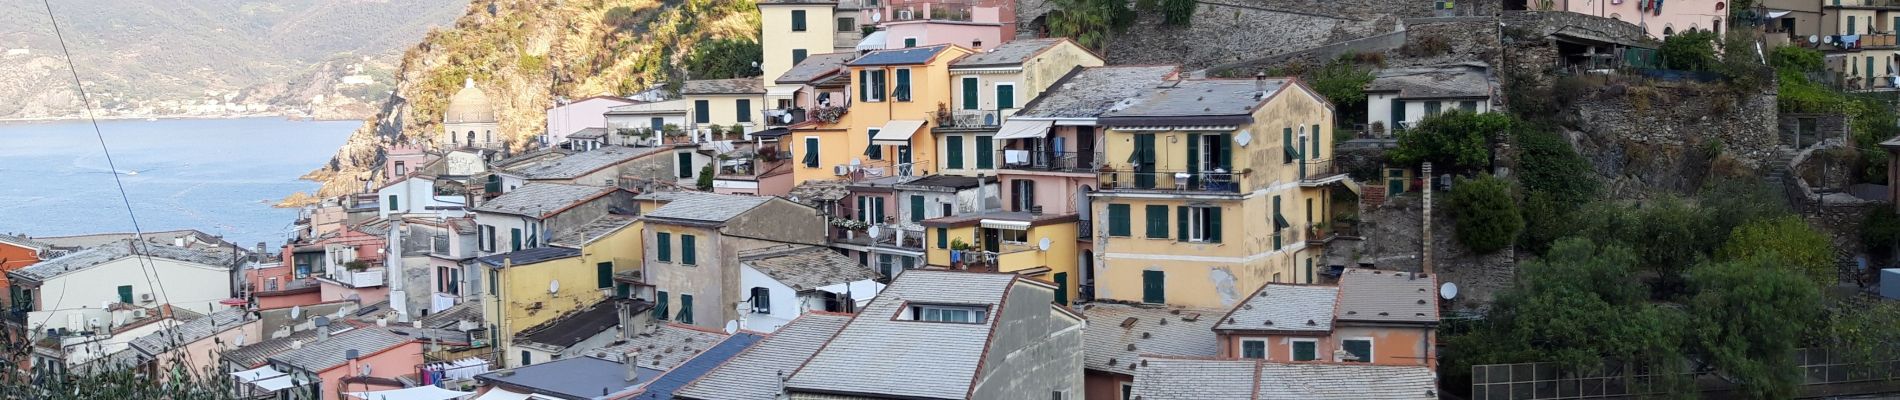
column 220, row 176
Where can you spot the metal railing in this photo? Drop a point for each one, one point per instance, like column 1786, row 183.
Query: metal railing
column 1202, row 181
column 1316, row 168
column 371, row 277
column 1060, row 161
column 1863, row 3
column 776, row 117
column 962, row 118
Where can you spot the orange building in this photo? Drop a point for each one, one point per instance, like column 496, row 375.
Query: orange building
column 17, row 252
column 1377, row 317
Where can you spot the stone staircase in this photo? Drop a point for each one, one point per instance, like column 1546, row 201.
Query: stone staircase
column 1777, row 172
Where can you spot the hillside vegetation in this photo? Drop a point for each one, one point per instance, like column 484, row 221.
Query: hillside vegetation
column 523, row 53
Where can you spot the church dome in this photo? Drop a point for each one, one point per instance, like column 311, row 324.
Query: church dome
column 469, row 105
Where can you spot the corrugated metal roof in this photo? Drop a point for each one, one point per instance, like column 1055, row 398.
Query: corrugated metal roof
column 754, row 373
column 574, row 327
column 815, row 66
column 576, row 377
column 1195, row 101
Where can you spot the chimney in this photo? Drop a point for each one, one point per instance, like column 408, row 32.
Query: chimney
column 976, row 44
column 296, row 344
column 353, row 355
column 323, row 327
column 1260, row 80
column 260, row 249
column 631, row 361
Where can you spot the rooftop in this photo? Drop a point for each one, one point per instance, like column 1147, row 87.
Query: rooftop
column 708, row 207
column 573, row 327
column 192, row 331
column 577, row 377
column 1200, row 378
column 1013, row 53
column 808, row 267
column 753, row 373
column 252, row 355
column 1118, row 334
column 668, row 345
column 905, row 56
column 1447, row 81
column 1091, row 92
column 808, row 192
column 541, row 200
column 582, row 163
column 814, row 67
column 724, row 86
column 96, row 255
column 1369, row 295
column 1197, row 102
column 1282, row 308
column 322, row 355
column 658, row 107
column 607, row 224
column 978, row 217
column 952, row 182
column 664, row 387
column 530, row 256
column 97, row 239
column 878, row 354
column 588, row 133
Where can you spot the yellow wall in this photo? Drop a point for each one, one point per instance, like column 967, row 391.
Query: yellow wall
column 523, row 286
column 1035, row 77
column 934, row 255
column 1060, row 258
column 1218, row 274
column 778, row 39
column 724, row 111
column 848, row 138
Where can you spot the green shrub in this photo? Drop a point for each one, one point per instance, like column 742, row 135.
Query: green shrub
column 1880, row 232
column 1785, row 242
column 1178, row 12
column 723, row 59
column 705, row 182
column 1454, row 141
column 1690, row 51
column 1547, row 163
column 1486, row 213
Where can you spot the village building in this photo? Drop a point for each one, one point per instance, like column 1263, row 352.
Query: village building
column 1028, row 243
column 792, row 31
column 896, row 91
column 568, row 117
column 1397, row 98
column 646, row 123
column 694, row 242
column 787, row 281
column 1215, row 378
column 1119, row 334
column 1372, row 316
column 526, row 217
column 897, row 207
column 352, row 360
column 79, row 292
column 734, row 105
column 783, row 350
column 530, row 287
column 990, row 86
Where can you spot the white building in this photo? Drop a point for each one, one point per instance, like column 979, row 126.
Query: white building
column 577, row 115
column 416, row 196
column 654, row 117
column 1408, row 95
column 75, row 292
column 781, row 283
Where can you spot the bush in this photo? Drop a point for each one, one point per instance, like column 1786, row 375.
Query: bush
column 1785, row 242
column 1343, row 82
column 1746, row 320
column 1690, row 51
column 723, row 59
column 1880, row 232
column 1455, row 141
column 705, row 182
column 1178, row 12
column 1547, row 163
column 1486, row 214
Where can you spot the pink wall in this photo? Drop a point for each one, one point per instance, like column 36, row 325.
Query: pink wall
column 299, row 299
column 397, row 361
column 1680, row 15
column 1056, row 194
column 411, row 157
column 939, row 32
column 334, row 292
column 200, row 356
column 581, row 114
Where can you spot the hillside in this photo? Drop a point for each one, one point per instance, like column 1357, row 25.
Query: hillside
column 210, row 57
column 523, row 53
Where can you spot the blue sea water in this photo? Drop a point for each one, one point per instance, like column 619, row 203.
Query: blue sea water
column 219, row 176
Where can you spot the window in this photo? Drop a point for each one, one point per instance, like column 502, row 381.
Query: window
column 657, row 123
column 885, row 265
column 1005, row 96
column 744, row 109
column 1022, row 195
column 494, row 282
column 125, row 294
column 1470, row 106
column 1157, row 221
column 902, row 91
column 1315, row 153
column 874, row 151
column 811, row 152
column 685, row 165
column 872, row 81
column 947, row 313
column 702, row 111
column 871, row 209
column 910, row 42
column 514, row 239
column 526, row 357
column 1432, row 108
column 1359, row 349
column 659, row 307
column 686, row 309
column 1153, row 287
column 798, row 20
column 1062, row 288
column 916, row 208
column 1253, row 348
column 798, row 56
column 488, row 238
column 688, row 251
column 1128, row 391
column 943, row 238
column 969, row 92
column 1012, row 236
column 953, row 146
column 404, row 169
column 1305, row 349
column 1279, row 222
column 1200, row 224
column 604, row 275
column 665, row 241
column 1118, row 220
column 762, row 300
column 985, row 152
column 847, row 24
column 1286, row 141
column 392, row 202
column 907, row 262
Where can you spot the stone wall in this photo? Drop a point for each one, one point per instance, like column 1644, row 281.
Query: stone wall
column 1644, row 136
column 1825, row 126
column 1392, row 235
column 1836, row 213
column 1539, row 24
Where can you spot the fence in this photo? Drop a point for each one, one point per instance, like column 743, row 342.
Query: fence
column 1824, row 372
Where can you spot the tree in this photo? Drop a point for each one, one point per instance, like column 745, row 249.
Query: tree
column 1453, row 141
column 723, row 59
column 1547, row 163
column 1690, row 51
column 1486, row 214
column 1343, row 82
column 1178, row 12
column 1880, row 232
column 1746, row 320
column 1089, row 22
column 1787, row 243
column 705, row 182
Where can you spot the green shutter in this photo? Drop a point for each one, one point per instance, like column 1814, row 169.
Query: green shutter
column 1305, row 351
column 1062, row 288
column 1193, row 161
column 798, row 20
column 969, row 93
column 1213, row 224
column 811, row 153
column 1227, row 153
column 514, row 239
column 1359, row 348
column 1153, row 287
column 1005, row 97
column 985, row 152
column 954, row 144
column 1181, row 218
column 392, row 203
column 604, row 274
column 659, row 307
column 798, row 56
column 1118, row 220
column 864, row 85
column 1144, row 160
column 916, row 208
column 1157, row 221
column 874, row 151
column 943, row 238
column 125, row 294
column 910, row 42
column 1398, row 114
column 686, row 165
column 903, row 85
column 686, row 309
column 666, row 246
column 702, row 111
column 1277, row 224
column 877, row 210
column 1286, row 142
column 745, row 109
column 1315, row 154
column 688, row 250
column 494, row 282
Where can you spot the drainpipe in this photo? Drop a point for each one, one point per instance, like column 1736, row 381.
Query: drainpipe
column 1425, row 233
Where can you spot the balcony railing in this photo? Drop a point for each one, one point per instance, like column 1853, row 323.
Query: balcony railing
column 1203, row 181
column 371, row 277
column 1864, row 3
column 1316, row 168
column 775, row 117
column 979, row 118
column 952, row 11
column 874, row 169
column 1057, row 161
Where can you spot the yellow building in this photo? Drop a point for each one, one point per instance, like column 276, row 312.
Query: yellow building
column 1866, row 62
column 1040, row 246
column 1211, row 187
column 988, row 87
column 528, row 287
column 791, row 30
column 897, row 95
column 724, row 102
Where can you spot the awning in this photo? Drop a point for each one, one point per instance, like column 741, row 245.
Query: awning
column 781, row 91
column 1037, row 271
column 772, row 133
column 1777, row 14
column 1004, row 224
column 1019, row 129
column 502, row 394
column 281, row 382
column 253, row 375
column 414, row 393
column 873, row 41
column 897, row 132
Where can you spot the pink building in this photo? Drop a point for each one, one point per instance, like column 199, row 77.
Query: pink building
column 328, row 268
column 916, row 33
column 1001, row 13
column 1661, row 18
column 402, row 159
column 579, row 114
column 357, row 360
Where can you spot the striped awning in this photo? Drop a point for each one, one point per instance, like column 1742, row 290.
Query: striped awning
column 1004, row 224
column 1021, row 129
column 897, row 132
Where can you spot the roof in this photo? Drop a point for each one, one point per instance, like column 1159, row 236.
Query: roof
column 1284, row 308
column 814, row 67
column 953, row 182
column 905, row 56
column 541, row 199
column 1093, row 91
column 724, row 86
column 809, row 267
column 1369, row 295
column 879, row 355
column 658, row 107
column 708, row 207
column 530, row 256
column 1118, row 334
column 1448, row 81
column 607, row 224
column 664, row 387
column 573, row 327
column 668, row 345
column 1195, row 378
column 810, row 191
column 1015, row 52
column 167, row 237
column 254, row 354
column 324, row 354
column 586, row 162
column 974, row 218
column 448, row 318
column 1197, row 102
column 588, row 133
column 470, row 105
column 764, row 2
column 575, row 377
column 24, row 242
column 191, row 331
column 666, row 196
column 94, row 256
column 753, row 373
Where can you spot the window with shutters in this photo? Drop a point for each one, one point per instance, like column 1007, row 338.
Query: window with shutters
column 910, row 42
column 953, row 147
column 494, row 282
column 1279, row 223
column 798, row 20
column 1005, row 96
column 1157, row 221
column 1304, row 349
column 488, row 238
column 1118, row 220
column 762, row 300
column 943, row 238
column 1286, row 142
column 916, row 208
column 744, row 108
column 970, row 83
column 874, row 151
column 1357, row 350
column 125, row 294
column 1398, row 115
column 604, row 275
column 902, row 91
column 392, row 203
column 798, row 56
column 1253, row 348
column 871, row 209
column 685, row 164
column 665, row 242
column 1315, row 153
column 1433, row 108
column 985, row 152
column 702, row 111
column 811, row 153
column 659, row 307
column 688, row 250
column 514, row 239
column 1022, row 194
column 1153, row 287
column 686, row 309
column 1062, row 287
column 1201, row 224
column 1468, row 106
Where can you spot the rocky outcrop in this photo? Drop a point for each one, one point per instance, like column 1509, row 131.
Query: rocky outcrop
column 1646, row 135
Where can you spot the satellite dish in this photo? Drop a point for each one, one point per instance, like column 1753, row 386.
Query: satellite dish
column 238, row 341
column 554, row 286
column 1448, row 290
column 1813, row 39
column 732, row 326
column 875, row 230
column 1043, row 245
column 296, row 312
column 1243, row 138
column 876, row 16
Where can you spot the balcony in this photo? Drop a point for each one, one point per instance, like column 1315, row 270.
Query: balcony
column 931, row 11
column 294, row 286
column 1125, row 179
column 1863, row 3
column 366, row 278
column 892, row 236
column 1871, row 41
column 1319, row 172
column 874, row 169
column 1050, row 161
column 777, row 117
column 973, row 119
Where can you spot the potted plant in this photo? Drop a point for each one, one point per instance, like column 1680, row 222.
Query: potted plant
column 829, row 115
column 670, row 130
column 356, row 265
column 943, row 115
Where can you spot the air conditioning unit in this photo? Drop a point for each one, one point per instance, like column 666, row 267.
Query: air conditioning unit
column 905, row 15
column 138, row 313
column 145, row 297
column 841, row 170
